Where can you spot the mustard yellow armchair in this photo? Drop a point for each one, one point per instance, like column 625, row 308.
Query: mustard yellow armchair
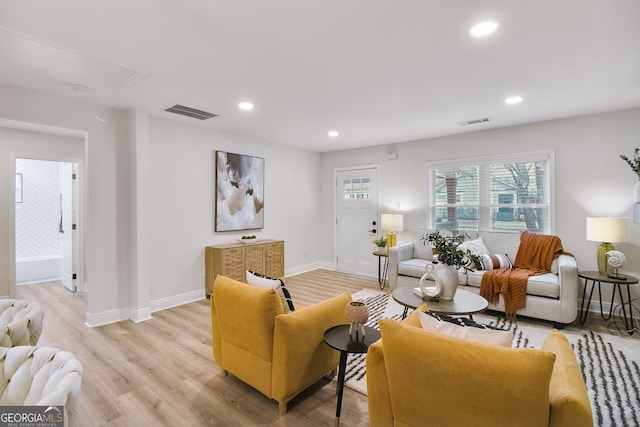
column 417, row 377
column 278, row 354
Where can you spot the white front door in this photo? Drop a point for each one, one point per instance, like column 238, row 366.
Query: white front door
column 356, row 217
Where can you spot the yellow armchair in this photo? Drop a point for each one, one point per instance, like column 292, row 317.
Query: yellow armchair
column 417, row 377
column 278, row 354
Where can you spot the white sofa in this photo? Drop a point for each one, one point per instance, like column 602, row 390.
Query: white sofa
column 40, row 376
column 552, row 296
column 20, row 322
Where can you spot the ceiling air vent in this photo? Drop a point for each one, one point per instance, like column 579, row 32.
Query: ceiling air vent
column 190, row 112
column 475, row 121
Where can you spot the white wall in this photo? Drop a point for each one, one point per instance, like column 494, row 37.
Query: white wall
column 106, row 175
column 183, row 202
column 591, row 179
column 153, row 179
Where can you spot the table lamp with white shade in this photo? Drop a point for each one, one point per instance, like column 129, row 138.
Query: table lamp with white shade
column 391, row 223
column 607, row 230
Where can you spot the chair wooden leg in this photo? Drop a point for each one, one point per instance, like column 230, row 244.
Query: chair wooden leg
column 283, row 407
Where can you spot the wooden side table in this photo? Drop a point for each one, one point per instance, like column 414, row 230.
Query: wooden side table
column 338, row 338
column 382, row 271
column 596, row 277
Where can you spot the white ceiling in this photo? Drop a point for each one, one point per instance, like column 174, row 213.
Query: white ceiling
column 378, row 71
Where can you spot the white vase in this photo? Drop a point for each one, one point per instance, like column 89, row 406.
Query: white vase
column 636, row 193
column 445, row 278
column 449, row 279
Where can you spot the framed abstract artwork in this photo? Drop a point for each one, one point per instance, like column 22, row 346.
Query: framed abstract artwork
column 239, row 192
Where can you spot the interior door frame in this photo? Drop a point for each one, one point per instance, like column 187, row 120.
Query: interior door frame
column 80, row 217
column 376, row 167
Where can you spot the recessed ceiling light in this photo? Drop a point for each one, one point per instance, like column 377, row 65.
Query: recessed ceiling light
column 484, row 28
column 246, row 106
column 513, row 100
column 333, row 133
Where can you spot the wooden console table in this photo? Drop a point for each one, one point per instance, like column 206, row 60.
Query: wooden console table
column 234, row 259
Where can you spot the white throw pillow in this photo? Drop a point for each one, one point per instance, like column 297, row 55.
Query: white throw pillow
column 476, row 247
column 262, row 281
column 471, row 333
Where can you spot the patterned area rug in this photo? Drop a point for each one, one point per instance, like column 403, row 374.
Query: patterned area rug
column 610, row 364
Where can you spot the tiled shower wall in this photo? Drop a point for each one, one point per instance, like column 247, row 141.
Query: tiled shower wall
column 38, row 216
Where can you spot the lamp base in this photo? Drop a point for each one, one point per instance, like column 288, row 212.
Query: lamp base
column 603, row 267
column 391, row 239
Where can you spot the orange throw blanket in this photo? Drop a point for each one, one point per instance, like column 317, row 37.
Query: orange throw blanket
column 535, row 255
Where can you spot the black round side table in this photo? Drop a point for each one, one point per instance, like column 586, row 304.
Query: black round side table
column 596, row 277
column 338, row 338
column 382, row 271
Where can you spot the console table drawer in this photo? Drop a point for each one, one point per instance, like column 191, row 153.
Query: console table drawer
column 233, row 260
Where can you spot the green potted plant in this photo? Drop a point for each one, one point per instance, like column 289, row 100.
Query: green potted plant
column 635, row 163
column 448, row 259
column 380, row 243
column 635, row 167
column 446, row 248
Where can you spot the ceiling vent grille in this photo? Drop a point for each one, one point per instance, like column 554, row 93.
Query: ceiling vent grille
column 190, row 112
column 475, row 121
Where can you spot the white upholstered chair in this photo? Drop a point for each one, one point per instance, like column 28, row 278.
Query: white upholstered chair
column 20, row 322
column 39, row 376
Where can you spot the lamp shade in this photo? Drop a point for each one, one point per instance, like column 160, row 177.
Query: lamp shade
column 391, row 222
column 608, row 229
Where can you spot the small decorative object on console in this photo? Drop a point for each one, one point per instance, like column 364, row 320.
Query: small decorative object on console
column 357, row 314
column 249, row 239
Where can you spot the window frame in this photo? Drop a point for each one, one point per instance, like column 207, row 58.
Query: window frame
column 484, row 190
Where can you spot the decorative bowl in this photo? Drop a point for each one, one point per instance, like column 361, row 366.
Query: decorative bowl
column 254, row 240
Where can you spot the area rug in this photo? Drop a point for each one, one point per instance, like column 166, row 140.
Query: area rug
column 610, row 364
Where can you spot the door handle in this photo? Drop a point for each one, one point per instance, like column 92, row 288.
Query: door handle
column 372, row 231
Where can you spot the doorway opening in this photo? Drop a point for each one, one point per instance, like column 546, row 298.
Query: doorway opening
column 47, row 204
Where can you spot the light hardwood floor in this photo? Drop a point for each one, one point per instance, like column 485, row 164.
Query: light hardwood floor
column 161, row 372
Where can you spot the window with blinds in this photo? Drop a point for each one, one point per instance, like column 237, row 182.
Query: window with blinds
column 505, row 194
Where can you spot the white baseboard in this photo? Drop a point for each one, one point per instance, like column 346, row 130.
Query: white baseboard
column 309, row 267
column 140, row 315
column 176, row 300
column 93, row 320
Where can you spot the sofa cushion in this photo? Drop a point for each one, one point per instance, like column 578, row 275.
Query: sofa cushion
column 414, row 267
column 475, row 246
column 464, row 328
column 501, row 243
column 509, row 385
column 260, row 280
column 492, row 261
column 544, row 285
column 422, row 248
